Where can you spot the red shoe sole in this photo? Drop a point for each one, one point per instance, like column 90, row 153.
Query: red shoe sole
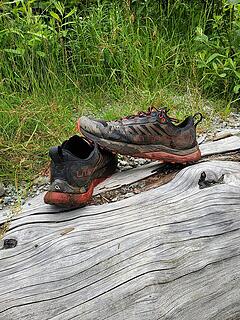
column 71, row 200
column 169, row 157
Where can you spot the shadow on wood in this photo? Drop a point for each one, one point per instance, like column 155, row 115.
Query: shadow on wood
column 168, row 253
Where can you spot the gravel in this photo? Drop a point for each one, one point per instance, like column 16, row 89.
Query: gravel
column 10, row 195
column 13, row 196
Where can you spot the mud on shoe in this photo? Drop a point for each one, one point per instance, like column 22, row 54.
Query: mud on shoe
column 77, row 166
column 152, row 135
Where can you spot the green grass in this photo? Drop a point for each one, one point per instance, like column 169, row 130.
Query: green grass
column 32, row 124
column 111, row 62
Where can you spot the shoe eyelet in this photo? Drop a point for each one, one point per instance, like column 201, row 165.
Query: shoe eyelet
column 162, row 119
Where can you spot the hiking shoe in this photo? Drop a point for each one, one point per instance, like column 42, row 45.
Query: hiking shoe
column 151, row 135
column 77, row 166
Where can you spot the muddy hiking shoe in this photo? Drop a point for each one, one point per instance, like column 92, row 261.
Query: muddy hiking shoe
column 151, row 135
column 77, row 166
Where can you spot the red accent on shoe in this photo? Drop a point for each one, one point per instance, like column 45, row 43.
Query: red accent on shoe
column 71, row 200
column 168, row 157
column 78, row 125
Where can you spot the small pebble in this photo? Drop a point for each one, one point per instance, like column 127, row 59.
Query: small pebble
column 40, row 181
column 126, row 168
column 142, row 162
column 129, row 194
column 7, row 200
column 122, row 162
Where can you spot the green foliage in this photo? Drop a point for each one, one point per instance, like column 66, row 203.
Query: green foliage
column 44, row 44
column 50, row 43
column 218, row 54
column 59, row 59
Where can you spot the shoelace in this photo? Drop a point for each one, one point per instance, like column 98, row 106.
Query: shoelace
column 162, row 114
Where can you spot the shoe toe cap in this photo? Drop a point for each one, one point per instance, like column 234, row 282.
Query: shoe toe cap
column 90, row 125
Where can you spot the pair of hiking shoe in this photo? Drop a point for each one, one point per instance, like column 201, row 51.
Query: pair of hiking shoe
column 80, row 163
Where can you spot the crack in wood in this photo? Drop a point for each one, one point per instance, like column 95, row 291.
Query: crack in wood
column 166, row 253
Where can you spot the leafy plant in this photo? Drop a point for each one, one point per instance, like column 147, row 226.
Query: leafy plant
column 218, row 55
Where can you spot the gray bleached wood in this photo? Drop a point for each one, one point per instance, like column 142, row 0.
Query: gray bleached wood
column 220, row 146
column 168, row 253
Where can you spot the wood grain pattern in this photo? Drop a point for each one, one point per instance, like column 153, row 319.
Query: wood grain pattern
column 220, row 146
column 168, row 253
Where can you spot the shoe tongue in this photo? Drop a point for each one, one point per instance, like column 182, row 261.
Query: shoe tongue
column 169, row 119
column 155, row 113
column 103, row 122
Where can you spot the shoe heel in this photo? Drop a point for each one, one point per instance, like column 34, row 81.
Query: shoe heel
column 72, row 200
column 69, row 200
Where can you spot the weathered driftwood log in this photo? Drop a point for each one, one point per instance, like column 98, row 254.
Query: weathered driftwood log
column 168, row 253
